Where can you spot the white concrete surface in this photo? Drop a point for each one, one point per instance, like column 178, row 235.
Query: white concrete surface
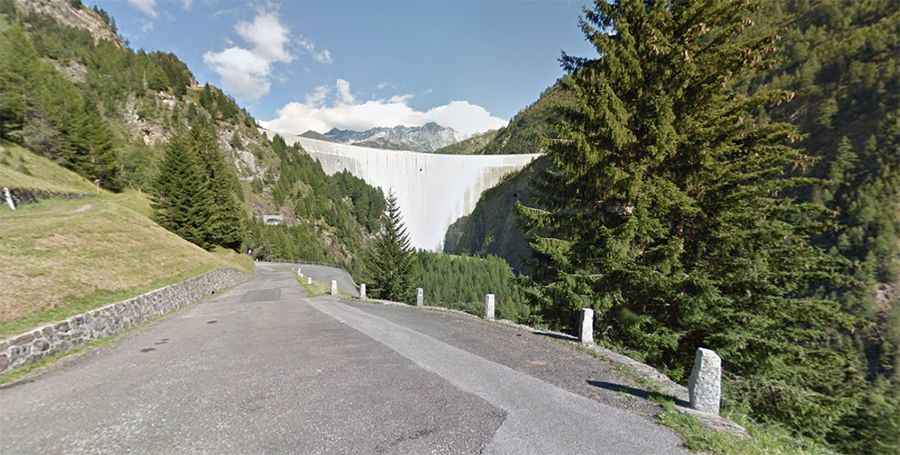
column 433, row 190
column 489, row 307
column 587, row 326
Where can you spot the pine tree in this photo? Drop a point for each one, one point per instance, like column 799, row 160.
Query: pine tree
column 389, row 263
column 180, row 198
column 669, row 211
column 223, row 226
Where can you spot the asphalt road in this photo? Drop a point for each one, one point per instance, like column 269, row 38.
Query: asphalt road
column 324, row 274
column 261, row 369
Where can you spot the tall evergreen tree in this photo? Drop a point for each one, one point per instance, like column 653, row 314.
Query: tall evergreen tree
column 389, row 262
column 670, row 210
column 224, row 225
column 181, row 199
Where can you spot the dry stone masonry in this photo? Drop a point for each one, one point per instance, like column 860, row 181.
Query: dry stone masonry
column 112, row 319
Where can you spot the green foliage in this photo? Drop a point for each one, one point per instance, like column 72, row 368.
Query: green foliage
column 195, row 193
column 474, row 145
column 461, row 282
column 669, row 210
column 181, row 198
column 389, row 262
column 493, row 228
column 341, row 210
column 45, row 112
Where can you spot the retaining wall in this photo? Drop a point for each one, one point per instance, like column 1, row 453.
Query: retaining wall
column 112, row 319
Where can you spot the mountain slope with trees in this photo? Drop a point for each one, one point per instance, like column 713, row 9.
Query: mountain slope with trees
column 73, row 92
column 830, row 92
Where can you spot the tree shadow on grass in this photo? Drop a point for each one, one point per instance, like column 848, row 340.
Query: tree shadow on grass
column 640, row 393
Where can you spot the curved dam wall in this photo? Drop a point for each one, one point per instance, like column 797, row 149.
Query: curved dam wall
column 433, row 190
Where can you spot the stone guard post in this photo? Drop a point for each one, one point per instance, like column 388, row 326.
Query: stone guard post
column 334, row 287
column 420, row 297
column 362, row 291
column 299, row 272
column 705, row 385
column 9, row 199
column 309, row 280
column 489, row 307
column 587, row 326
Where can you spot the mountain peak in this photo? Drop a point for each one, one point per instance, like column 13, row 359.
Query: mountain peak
column 426, row 138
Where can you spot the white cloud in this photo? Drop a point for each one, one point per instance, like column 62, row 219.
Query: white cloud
column 243, row 73
column 186, row 4
column 343, row 90
column 246, row 70
column 317, row 115
column 147, row 7
column 323, row 56
column 247, row 73
column 267, row 35
column 319, row 55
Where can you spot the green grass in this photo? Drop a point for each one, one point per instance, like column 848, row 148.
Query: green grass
column 20, row 168
column 64, row 257
column 762, row 440
column 313, row 290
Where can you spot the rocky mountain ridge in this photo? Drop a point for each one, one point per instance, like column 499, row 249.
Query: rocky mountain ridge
column 426, row 138
column 75, row 14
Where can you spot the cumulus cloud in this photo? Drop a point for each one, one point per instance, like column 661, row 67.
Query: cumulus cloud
column 345, row 113
column 246, row 72
column 147, row 7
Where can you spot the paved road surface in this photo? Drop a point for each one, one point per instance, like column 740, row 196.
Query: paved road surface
column 324, row 274
column 261, row 369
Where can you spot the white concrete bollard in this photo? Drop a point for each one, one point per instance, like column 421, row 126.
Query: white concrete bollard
column 362, row 291
column 587, row 326
column 705, row 385
column 309, row 280
column 420, row 297
column 333, row 287
column 9, row 200
column 299, row 272
column 489, row 307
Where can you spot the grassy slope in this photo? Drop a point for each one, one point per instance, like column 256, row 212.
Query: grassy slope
column 20, row 168
column 65, row 257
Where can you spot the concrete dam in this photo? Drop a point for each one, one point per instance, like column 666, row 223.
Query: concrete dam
column 432, row 190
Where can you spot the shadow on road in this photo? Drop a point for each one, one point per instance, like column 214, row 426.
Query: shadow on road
column 640, row 393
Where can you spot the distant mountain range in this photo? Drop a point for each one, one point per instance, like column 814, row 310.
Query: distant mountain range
column 426, row 138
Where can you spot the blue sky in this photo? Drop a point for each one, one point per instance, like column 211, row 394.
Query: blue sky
column 300, row 65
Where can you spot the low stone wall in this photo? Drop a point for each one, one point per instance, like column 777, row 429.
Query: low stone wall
column 112, row 319
column 22, row 196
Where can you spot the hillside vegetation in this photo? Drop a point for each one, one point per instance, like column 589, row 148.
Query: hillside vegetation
column 527, row 132
column 830, row 89
column 72, row 92
column 65, row 257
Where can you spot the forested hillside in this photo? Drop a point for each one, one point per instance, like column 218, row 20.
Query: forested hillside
column 831, row 74
column 72, row 91
column 527, row 132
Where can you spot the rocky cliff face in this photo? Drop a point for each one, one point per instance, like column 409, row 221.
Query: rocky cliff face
column 80, row 16
column 426, row 138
